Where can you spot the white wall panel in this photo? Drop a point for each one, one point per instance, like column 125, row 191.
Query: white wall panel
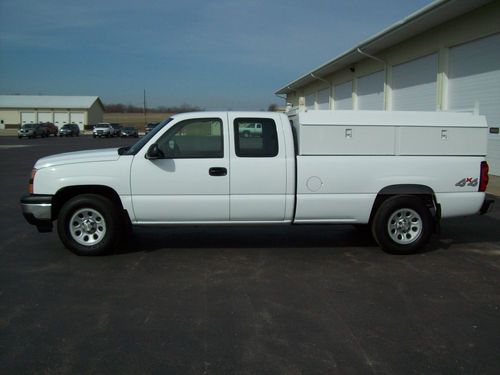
column 370, row 91
column 343, row 96
column 474, row 76
column 414, row 85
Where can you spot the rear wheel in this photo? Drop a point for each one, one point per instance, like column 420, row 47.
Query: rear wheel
column 88, row 224
column 402, row 225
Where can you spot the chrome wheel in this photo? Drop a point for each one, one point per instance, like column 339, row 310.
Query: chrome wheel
column 404, row 226
column 87, row 226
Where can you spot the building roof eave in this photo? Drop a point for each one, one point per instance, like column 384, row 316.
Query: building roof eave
column 423, row 19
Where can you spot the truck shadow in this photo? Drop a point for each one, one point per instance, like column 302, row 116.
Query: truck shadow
column 287, row 236
column 454, row 232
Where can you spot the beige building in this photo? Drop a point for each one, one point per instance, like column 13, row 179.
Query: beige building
column 17, row 110
column 444, row 57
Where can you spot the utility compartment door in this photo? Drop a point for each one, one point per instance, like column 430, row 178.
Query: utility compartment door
column 190, row 184
column 258, row 180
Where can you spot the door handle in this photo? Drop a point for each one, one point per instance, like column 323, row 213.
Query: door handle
column 217, row 171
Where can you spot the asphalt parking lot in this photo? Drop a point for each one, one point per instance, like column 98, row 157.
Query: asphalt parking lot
column 259, row 300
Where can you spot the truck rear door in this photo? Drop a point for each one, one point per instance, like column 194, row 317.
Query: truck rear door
column 258, row 168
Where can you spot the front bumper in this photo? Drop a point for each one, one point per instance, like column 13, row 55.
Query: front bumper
column 37, row 210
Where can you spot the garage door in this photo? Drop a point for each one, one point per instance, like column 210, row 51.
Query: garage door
column 61, row 118
column 310, row 99
column 474, row 76
column 324, row 99
column 45, row 117
column 28, row 118
column 414, row 85
column 371, row 91
column 342, row 96
column 77, row 118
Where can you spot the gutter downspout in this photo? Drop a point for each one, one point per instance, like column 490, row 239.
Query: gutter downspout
column 387, row 87
column 372, row 57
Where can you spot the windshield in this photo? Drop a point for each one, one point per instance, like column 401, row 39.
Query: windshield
column 28, row 126
column 134, row 149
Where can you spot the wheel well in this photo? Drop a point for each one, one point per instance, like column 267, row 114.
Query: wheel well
column 65, row 194
column 425, row 193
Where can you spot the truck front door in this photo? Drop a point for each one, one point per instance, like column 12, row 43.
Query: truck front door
column 189, row 182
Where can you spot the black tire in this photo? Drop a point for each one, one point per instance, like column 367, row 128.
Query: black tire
column 402, row 225
column 102, row 221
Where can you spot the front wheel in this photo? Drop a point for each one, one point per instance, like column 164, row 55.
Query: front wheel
column 402, row 225
column 88, row 224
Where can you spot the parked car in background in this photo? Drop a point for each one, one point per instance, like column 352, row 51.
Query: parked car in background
column 49, row 129
column 103, row 129
column 117, row 129
column 129, row 131
column 251, row 130
column 30, row 131
column 150, row 127
column 69, row 130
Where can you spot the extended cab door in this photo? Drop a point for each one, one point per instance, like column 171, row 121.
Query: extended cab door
column 190, row 181
column 258, row 181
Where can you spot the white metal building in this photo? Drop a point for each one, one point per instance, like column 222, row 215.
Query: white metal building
column 444, row 57
column 16, row 110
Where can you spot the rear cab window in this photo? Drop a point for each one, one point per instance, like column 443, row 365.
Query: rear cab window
column 255, row 138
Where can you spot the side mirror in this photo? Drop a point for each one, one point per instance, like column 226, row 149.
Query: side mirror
column 154, row 152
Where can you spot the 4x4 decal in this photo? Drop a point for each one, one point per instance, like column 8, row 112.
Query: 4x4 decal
column 468, row 181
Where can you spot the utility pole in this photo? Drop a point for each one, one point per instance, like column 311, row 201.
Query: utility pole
column 145, row 116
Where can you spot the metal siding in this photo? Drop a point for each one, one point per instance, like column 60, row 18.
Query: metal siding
column 370, row 91
column 414, row 85
column 343, row 96
column 474, row 77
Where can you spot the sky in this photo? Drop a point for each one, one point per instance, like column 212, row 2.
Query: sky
column 216, row 55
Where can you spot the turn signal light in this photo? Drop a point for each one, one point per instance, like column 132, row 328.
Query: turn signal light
column 483, row 180
column 32, row 178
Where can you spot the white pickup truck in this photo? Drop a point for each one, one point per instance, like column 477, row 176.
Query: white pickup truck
column 398, row 172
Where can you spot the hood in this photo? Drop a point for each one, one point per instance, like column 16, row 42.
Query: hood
column 107, row 154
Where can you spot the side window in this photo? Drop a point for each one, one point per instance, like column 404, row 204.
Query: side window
column 255, row 137
column 194, row 138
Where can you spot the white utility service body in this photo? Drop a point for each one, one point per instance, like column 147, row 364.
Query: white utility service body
column 302, row 167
